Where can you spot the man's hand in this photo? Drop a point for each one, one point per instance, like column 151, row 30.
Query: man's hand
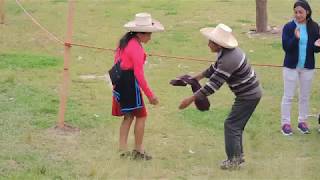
column 186, row 102
column 198, row 77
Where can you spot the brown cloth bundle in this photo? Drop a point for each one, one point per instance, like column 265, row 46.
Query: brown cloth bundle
column 201, row 104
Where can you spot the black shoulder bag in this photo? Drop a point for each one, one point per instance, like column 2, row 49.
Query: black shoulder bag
column 115, row 73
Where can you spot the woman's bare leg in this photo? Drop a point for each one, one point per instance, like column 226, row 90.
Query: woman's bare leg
column 139, row 133
column 124, row 132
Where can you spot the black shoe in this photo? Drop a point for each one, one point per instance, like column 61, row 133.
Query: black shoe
column 136, row 155
column 231, row 164
column 242, row 160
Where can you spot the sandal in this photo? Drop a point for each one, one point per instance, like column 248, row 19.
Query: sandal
column 125, row 154
column 136, row 155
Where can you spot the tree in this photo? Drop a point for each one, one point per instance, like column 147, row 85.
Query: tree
column 261, row 16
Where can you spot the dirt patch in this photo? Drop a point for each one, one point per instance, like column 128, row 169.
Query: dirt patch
column 93, row 77
column 105, row 78
column 274, row 31
column 66, row 129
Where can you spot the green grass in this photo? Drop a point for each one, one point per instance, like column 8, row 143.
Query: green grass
column 25, row 61
column 185, row 144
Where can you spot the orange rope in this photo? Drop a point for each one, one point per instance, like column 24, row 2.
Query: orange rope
column 51, row 35
column 91, row 47
column 156, row 55
column 179, row 57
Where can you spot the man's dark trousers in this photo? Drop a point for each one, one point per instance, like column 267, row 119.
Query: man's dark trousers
column 234, row 125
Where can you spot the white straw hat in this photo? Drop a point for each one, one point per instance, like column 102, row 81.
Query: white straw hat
column 221, row 35
column 144, row 23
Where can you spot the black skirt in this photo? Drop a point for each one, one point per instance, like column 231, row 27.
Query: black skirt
column 127, row 92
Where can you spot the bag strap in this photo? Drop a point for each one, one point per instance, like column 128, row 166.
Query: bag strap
column 119, row 53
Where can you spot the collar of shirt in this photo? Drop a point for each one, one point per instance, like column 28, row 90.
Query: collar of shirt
column 298, row 24
column 219, row 54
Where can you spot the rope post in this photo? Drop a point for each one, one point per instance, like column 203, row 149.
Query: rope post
column 66, row 76
column 2, row 14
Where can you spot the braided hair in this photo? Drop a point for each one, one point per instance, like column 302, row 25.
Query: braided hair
column 125, row 39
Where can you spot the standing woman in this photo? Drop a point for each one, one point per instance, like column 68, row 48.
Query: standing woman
column 127, row 97
column 300, row 39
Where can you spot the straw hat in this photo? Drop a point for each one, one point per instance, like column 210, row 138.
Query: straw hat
column 144, row 23
column 221, row 35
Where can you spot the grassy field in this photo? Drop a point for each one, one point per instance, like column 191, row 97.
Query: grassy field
column 185, row 144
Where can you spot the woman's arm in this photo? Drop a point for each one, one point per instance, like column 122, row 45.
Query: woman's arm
column 137, row 56
column 317, row 42
column 289, row 39
column 139, row 74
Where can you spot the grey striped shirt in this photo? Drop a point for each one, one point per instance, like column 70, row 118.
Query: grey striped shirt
column 231, row 67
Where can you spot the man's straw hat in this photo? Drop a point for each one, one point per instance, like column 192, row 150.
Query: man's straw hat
column 221, row 35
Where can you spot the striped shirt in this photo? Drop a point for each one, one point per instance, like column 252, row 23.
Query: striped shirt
column 231, row 67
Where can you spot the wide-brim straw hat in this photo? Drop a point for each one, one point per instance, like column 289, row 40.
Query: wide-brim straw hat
column 221, row 35
column 144, row 23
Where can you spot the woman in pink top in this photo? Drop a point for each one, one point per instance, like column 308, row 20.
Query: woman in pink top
column 127, row 97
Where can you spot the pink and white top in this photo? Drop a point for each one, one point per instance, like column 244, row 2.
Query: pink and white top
column 133, row 57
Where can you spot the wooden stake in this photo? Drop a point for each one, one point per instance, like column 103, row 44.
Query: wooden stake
column 2, row 12
column 66, row 76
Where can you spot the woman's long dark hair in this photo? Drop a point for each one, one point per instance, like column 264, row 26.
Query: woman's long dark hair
column 311, row 25
column 125, row 39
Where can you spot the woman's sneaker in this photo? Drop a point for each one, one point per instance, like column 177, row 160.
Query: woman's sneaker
column 303, row 128
column 136, row 155
column 286, row 130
